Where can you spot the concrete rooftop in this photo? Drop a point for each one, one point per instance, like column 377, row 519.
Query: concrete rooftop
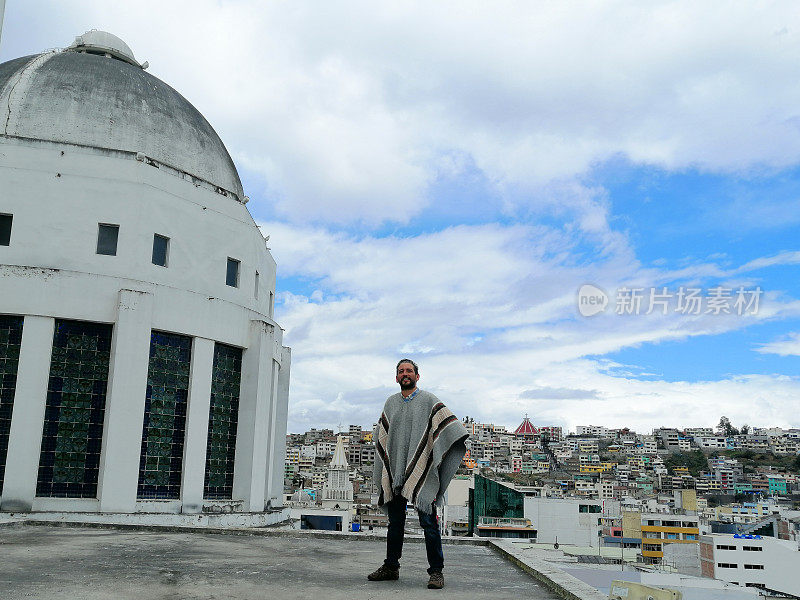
column 40, row 561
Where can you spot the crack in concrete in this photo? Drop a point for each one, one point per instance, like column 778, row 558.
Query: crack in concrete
column 34, row 64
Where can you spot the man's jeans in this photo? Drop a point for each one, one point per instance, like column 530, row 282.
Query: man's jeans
column 394, row 538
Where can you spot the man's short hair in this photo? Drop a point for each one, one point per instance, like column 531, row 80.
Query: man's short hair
column 411, row 362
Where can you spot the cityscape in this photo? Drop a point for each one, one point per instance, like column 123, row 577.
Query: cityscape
column 691, row 502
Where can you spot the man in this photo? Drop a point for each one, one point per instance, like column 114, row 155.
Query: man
column 419, row 445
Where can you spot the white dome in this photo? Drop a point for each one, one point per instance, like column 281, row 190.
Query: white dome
column 81, row 96
column 102, row 42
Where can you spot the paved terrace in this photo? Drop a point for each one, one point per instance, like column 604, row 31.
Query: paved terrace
column 46, row 561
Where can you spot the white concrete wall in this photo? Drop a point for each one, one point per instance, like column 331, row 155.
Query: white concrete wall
column 561, row 518
column 58, row 194
column 57, row 202
column 781, row 560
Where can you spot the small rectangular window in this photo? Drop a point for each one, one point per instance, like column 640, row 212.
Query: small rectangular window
column 5, row 229
column 160, row 250
column 107, row 236
column 232, row 276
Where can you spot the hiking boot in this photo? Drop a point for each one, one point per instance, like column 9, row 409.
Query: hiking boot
column 384, row 573
column 436, row 582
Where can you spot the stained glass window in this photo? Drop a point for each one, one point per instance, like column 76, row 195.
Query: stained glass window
column 164, row 426
column 76, row 397
column 222, row 419
column 10, row 339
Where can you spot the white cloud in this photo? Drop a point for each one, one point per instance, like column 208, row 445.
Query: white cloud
column 783, row 258
column 349, row 111
column 490, row 313
column 788, row 346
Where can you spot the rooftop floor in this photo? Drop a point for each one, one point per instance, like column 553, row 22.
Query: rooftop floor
column 91, row 564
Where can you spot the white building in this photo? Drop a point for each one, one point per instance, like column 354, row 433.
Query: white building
column 593, row 430
column 569, row 521
column 751, row 561
column 141, row 366
column 716, row 441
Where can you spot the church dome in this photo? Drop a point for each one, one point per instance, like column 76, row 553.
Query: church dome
column 96, row 94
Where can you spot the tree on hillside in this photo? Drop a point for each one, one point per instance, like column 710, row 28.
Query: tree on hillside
column 696, row 461
column 726, row 428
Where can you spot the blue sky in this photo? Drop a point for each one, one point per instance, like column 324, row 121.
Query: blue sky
column 439, row 180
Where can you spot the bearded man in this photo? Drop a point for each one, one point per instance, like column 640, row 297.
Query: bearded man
column 419, row 445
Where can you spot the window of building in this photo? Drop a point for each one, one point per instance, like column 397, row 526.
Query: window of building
column 163, row 430
column 10, row 341
column 5, row 229
column 256, row 287
column 727, row 565
column 69, row 461
column 107, row 236
column 160, row 250
column 752, row 548
column 690, row 536
column 725, row 547
column 755, row 585
column 755, row 567
column 222, row 421
column 232, row 275
column 271, row 304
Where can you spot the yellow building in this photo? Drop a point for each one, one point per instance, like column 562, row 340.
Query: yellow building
column 597, row 468
column 660, row 529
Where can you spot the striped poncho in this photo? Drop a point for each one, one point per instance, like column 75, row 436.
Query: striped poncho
column 419, row 445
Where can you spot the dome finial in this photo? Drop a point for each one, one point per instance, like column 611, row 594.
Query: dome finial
column 95, row 41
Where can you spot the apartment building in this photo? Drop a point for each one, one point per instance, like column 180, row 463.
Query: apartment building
column 325, row 447
column 659, row 529
column 593, row 430
column 709, row 442
column 751, row 561
column 693, row 432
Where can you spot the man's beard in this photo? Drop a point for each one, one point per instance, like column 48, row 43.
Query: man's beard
column 406, row 383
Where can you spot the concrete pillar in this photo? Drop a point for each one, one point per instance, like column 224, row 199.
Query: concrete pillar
column 277, row 450
column 124, row 413
column 255, row 406
column 196, row 436
column 27, row 418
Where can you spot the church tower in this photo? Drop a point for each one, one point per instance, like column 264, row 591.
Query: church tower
column 338, row 491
